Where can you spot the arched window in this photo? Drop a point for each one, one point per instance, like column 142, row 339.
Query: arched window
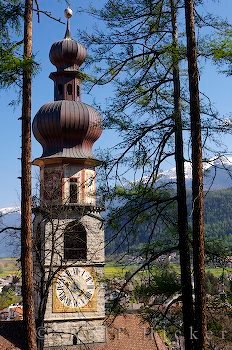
column 69, row 89
column 73, row 190
column 75, row 242
column 78, row 90
column 60, row 89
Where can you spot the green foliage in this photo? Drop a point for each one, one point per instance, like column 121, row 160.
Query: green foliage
column 139, row 221
column 163, row 281
column 134, row 51
column 11, row 61
column 218, row 224
column 11, row 12
column 11, row 67
column 221, row 50
column 8, row 297
column 211, row 283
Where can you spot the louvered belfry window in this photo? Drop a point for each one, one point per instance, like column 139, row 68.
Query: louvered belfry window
column 73, row 190
column 69, row 89
column 75, row 242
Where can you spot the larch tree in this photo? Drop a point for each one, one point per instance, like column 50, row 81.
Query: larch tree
column 184, row 245
column 14, row 69
column 145, row 65
column 138, row 50
column 197, row 179
column 26, row 204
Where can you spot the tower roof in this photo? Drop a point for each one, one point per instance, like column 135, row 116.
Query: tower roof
column 67, row 54
column 67, row 127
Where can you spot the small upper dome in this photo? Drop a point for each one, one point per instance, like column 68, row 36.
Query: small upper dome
column 67, row 54
column 67, row 129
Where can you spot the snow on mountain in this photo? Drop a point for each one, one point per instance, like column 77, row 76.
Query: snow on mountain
column 217, row 173
column 9, row 210
column 171, row 173
column 10, row 240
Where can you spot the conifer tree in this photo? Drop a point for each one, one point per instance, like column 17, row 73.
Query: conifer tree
column 26, row 210
column 139, row 52
column 143, row 55
column 197, row 179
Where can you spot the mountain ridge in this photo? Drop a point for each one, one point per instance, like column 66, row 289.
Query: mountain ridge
column 217, row 173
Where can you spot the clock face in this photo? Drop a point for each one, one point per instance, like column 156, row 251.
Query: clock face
column 74, row 288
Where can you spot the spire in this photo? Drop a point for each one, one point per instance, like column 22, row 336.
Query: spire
column 67, row 54
column 68, row 14
column 67, row 128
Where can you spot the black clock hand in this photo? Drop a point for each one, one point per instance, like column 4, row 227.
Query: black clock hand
column 72, row 280
column 86, row 294
column 78, row 288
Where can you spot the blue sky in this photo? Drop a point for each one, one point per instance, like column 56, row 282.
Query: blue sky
column 217, row 86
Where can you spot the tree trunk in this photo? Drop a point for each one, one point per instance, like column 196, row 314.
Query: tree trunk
column 184, row 243
column 197, row 180
column 26, row 221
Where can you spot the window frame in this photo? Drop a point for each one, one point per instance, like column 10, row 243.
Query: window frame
column 74, row 234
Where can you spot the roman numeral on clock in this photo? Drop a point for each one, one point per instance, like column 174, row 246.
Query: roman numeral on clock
column 68, row 273
column 75, row 302
column 68, row 302
column 88, row 279
column 88, row 295
column 75, row 270
column 62, row 296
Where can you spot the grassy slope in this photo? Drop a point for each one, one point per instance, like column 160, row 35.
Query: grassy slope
column 112, row 270
column 8, row 266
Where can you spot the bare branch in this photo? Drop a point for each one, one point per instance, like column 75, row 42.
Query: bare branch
column 10, row 228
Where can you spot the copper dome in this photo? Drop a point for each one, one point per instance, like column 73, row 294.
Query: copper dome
column 67, row 129
column 67, row 54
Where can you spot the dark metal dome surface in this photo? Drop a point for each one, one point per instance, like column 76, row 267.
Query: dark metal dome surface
column 67, row 54
column 67, row 129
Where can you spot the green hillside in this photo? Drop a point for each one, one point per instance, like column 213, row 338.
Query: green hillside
column 127, row 233
column 218, row 214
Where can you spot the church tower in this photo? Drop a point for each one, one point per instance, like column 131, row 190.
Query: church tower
column 68, row 230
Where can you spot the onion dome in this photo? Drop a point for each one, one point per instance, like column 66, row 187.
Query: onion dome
column 67, row 129
column 67, row 54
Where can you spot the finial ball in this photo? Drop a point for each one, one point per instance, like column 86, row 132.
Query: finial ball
column 68, row 12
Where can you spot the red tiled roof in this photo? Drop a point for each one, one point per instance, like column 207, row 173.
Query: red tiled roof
column 130, row 333
column 6, row 344
column 18, row 309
